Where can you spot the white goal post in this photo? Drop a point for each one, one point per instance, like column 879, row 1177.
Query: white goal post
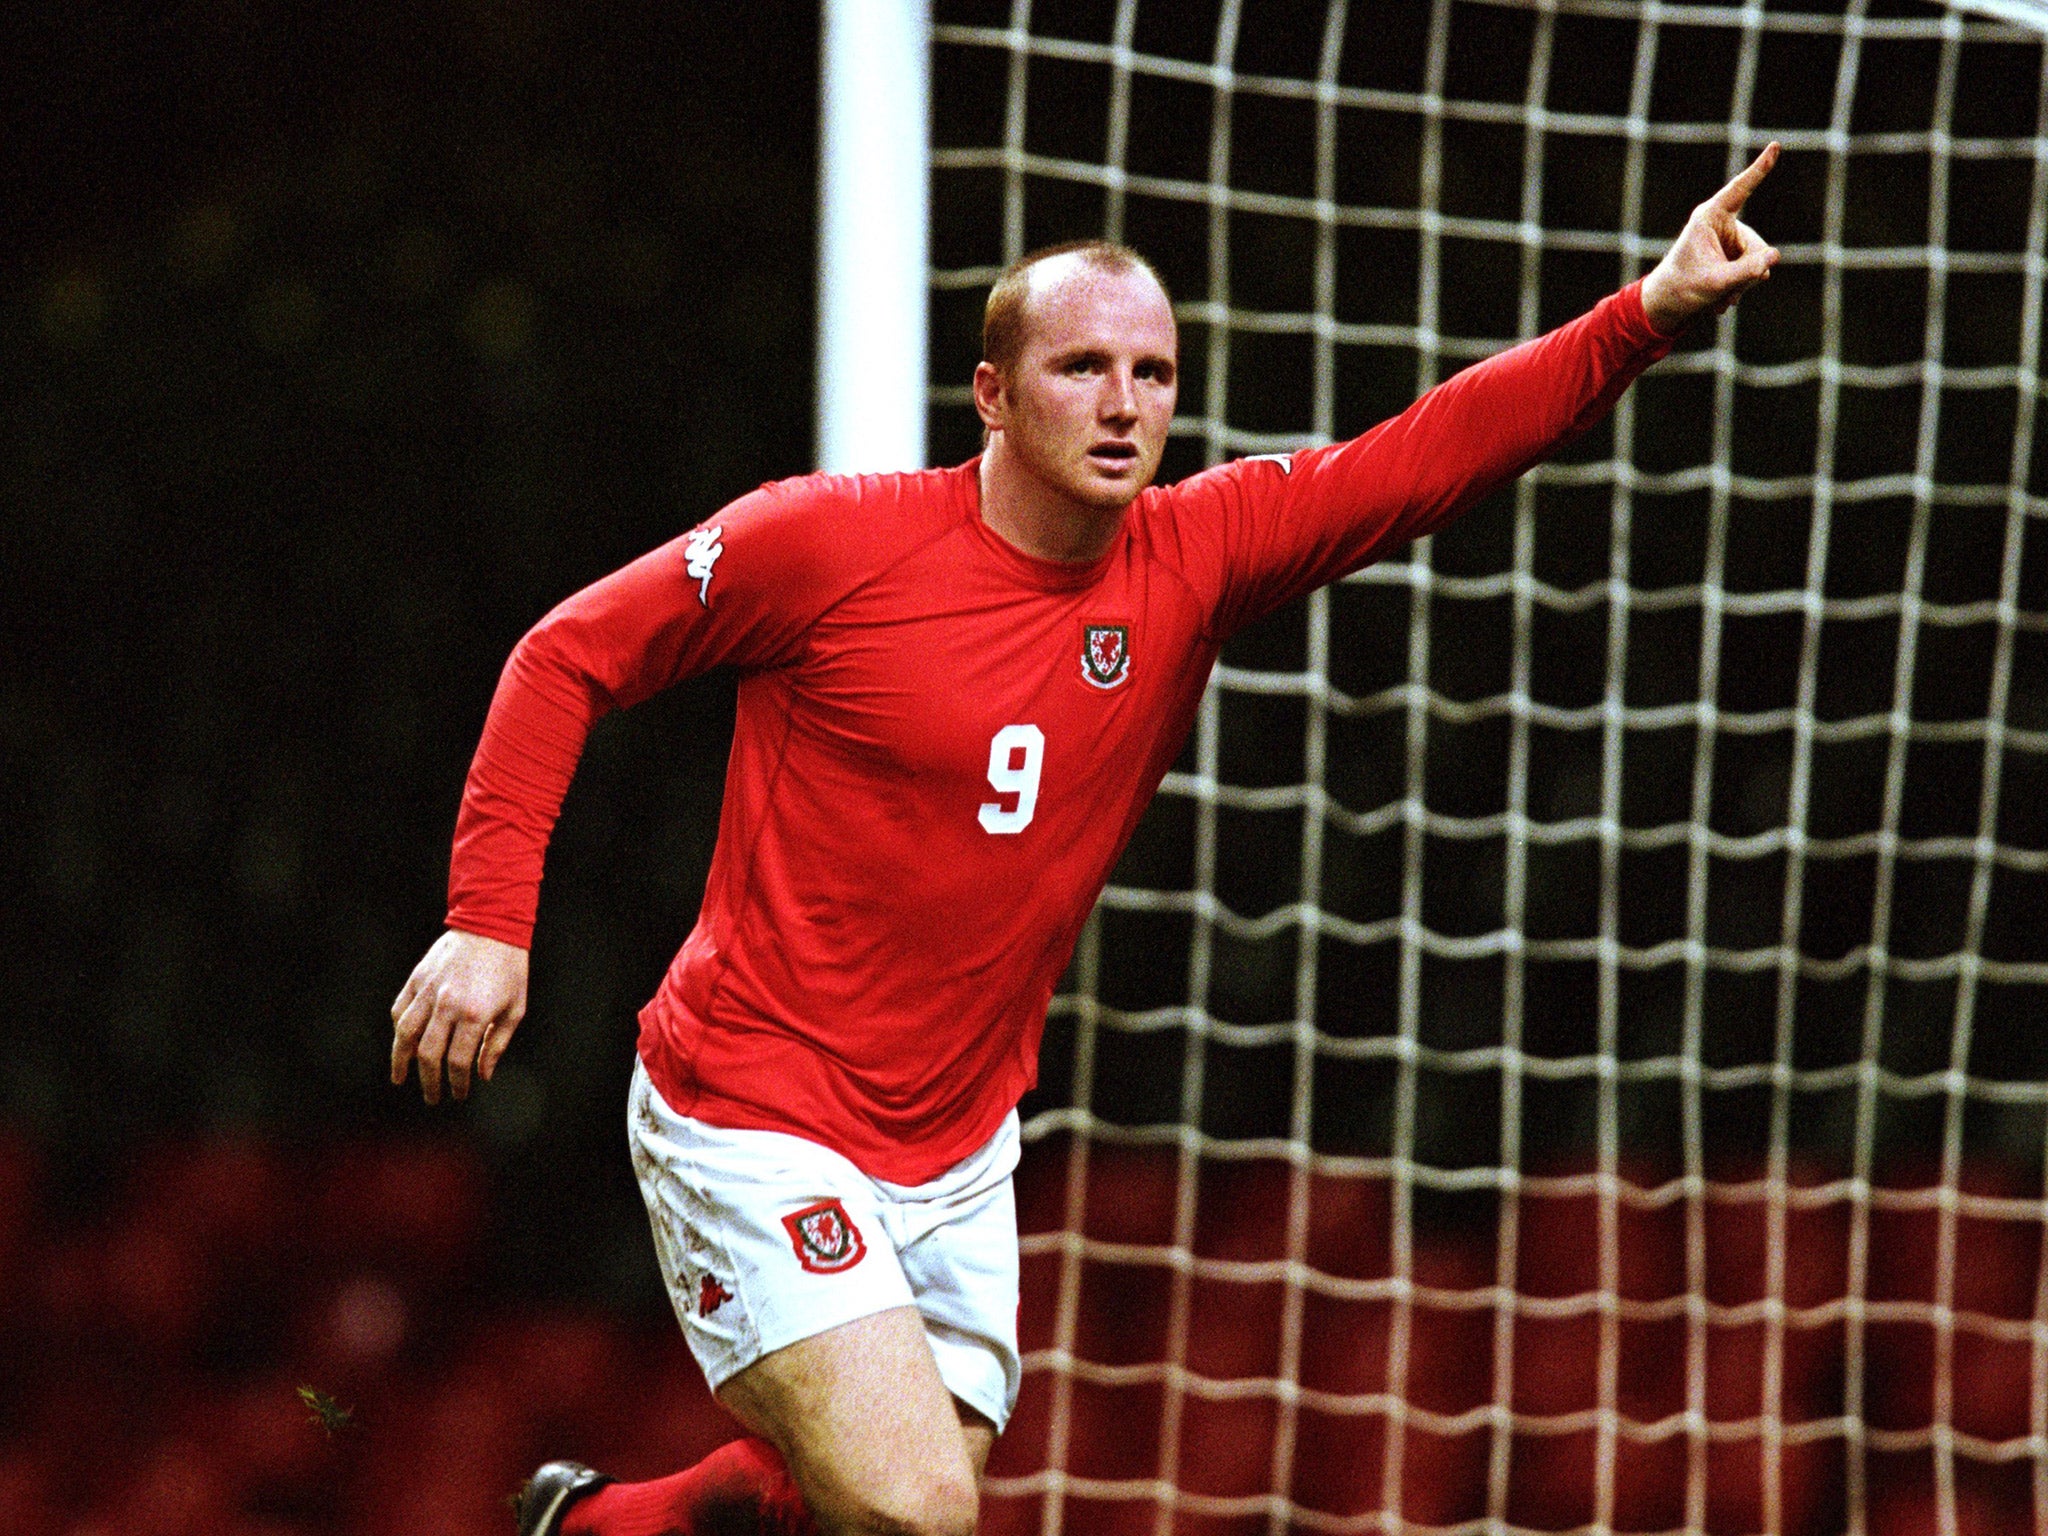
column 873, row 217
column 1568, row 1048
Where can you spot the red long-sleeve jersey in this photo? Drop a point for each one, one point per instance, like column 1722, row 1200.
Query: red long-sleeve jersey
column 943, row 744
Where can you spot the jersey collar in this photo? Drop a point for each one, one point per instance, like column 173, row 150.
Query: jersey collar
column 1045, row 575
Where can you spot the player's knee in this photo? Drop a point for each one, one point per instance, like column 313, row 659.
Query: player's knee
column 919, row 1502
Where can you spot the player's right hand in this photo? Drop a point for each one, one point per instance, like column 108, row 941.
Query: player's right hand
column 458, row 1009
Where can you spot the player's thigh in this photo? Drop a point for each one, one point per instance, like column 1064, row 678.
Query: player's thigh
column 873, row 1437
column 979, row 1434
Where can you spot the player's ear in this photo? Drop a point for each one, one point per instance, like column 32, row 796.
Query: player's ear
column 989, row 386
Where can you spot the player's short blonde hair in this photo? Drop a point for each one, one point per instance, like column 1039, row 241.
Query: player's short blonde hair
column 1002, row 321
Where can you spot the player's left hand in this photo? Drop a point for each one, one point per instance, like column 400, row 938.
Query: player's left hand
column 1715, row 260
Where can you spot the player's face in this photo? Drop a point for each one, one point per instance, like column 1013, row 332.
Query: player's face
column 1086, row 406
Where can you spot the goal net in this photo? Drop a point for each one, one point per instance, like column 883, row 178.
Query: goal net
column 1566, row 1048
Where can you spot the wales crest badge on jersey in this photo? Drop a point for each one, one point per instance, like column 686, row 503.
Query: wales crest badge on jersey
column 825, row 1238
column 1105, row 654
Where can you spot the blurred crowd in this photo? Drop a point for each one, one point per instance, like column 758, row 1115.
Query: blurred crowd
column 1760, row 1240
column 254, row 1340
column 251, row 1342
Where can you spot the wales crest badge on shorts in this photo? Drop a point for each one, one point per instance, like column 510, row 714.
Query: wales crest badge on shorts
column 1105, row 654
column 825, row 1238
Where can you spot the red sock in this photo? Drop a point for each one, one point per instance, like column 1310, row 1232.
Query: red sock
column 740, row 1489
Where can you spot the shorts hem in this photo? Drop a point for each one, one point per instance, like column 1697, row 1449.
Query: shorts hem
column 721, row 1363
column 995, row 1413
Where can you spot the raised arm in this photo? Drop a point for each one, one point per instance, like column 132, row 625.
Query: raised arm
column 1276, row 527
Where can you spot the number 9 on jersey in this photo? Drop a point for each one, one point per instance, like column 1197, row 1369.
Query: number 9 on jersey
column 1015, row 757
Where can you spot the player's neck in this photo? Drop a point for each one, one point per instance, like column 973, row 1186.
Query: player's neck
column 1036, row 518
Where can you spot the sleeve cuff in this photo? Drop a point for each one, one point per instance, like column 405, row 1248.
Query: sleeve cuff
column 1639, row 318
column 504, row 930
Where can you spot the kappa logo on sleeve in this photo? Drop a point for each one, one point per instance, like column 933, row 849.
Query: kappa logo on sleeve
column 700, row 554
column 825, row 1238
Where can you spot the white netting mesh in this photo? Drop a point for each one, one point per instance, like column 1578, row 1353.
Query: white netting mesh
column 1567, row 1046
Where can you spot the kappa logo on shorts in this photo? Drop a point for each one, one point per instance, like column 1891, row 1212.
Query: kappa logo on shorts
column 711, row 1295
column 825, row 1238
column 1105, row 654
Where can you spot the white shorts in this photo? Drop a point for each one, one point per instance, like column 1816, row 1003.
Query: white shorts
column 765, row 1239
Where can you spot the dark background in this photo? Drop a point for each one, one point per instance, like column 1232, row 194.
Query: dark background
column 340, row 344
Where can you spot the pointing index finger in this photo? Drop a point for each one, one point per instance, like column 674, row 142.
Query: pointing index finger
column 1731, row 197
